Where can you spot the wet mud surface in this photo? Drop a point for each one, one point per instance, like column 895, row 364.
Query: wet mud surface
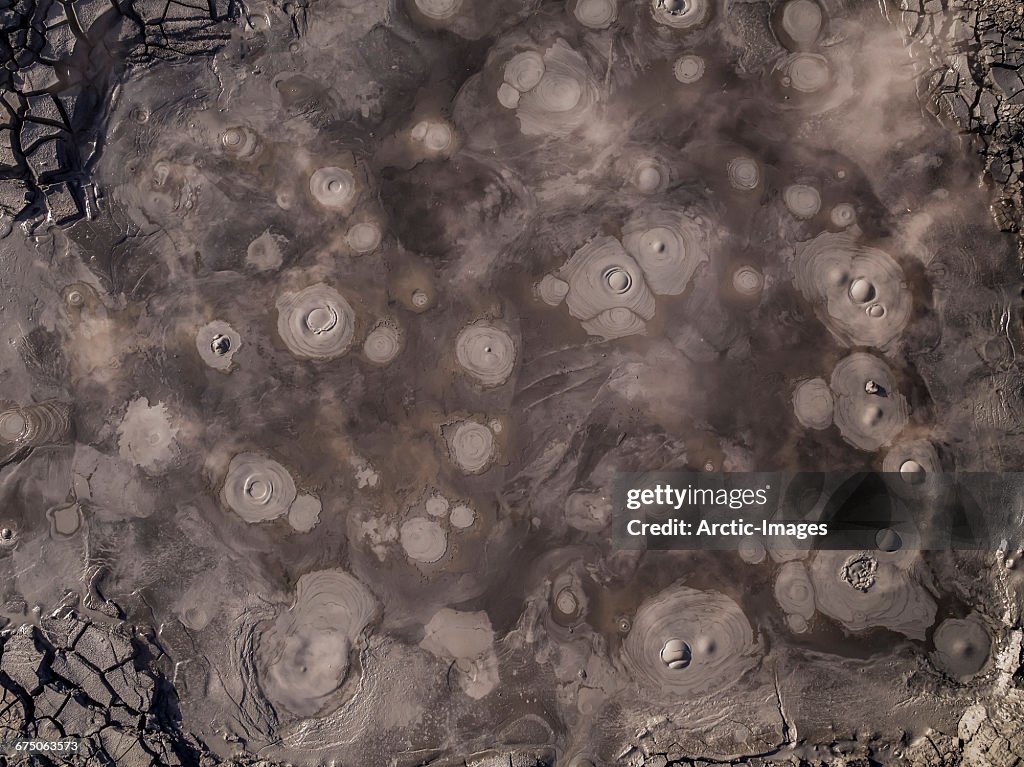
column 328, row 326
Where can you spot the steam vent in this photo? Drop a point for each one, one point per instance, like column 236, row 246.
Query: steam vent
column 336, row 332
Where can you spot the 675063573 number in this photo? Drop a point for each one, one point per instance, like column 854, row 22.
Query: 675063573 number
column 31, row 746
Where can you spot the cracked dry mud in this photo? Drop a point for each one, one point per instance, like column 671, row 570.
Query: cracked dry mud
column 329, row 324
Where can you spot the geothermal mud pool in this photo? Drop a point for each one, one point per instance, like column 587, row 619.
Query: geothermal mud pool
column 328, row 327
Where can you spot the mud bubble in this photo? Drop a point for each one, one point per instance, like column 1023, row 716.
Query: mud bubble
column 316, row 322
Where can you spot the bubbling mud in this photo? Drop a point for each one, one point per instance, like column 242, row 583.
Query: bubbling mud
column 146, row 436
column 364, row 237
column 383, row 343
column 558, row 93
column 13, row 426
column 813, row 403
column 552, row 290
column 467, row 639
column 65, row 520
column 590, row 291
column 436, row 137
column 615, row 323
column 239, row 141
column 795, row 595
column 304, row 513
column 315, row 322
column 743, row 173
column 688, row 68
column 649, row 176
column 462, row 517
column 458, row 634
column 423, row 540
column 618, row 137
column 257, row 488
column 676, row 654
column 713, row 628
column 669, row 247
column 47, row 423
column 471, row 446
column 486, row 352
column 524, row 71
column 595, row 14
column 264, row 252
column 910, row 470
column 587, row 511
column 860, row 571
column 843, row 214
column 565, row 602
column 437, row 506
column 420, row 300
column 869, row 411
column 747, row 281
column 618, row 279
column 303, row 657
column 681, row 14
column 563, row 96
column 912, row 460
column 508, row 96
column 751, row 550
column 802, row 21
column 802, row 200
column 439, row 10
column 867, row 590
column 806, row 73
column 962, row 646
column 334, row 188
column 859, row 293
column 217, row 342
column 568, row 600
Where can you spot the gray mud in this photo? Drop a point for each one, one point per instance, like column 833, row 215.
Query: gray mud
column 327, row 327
